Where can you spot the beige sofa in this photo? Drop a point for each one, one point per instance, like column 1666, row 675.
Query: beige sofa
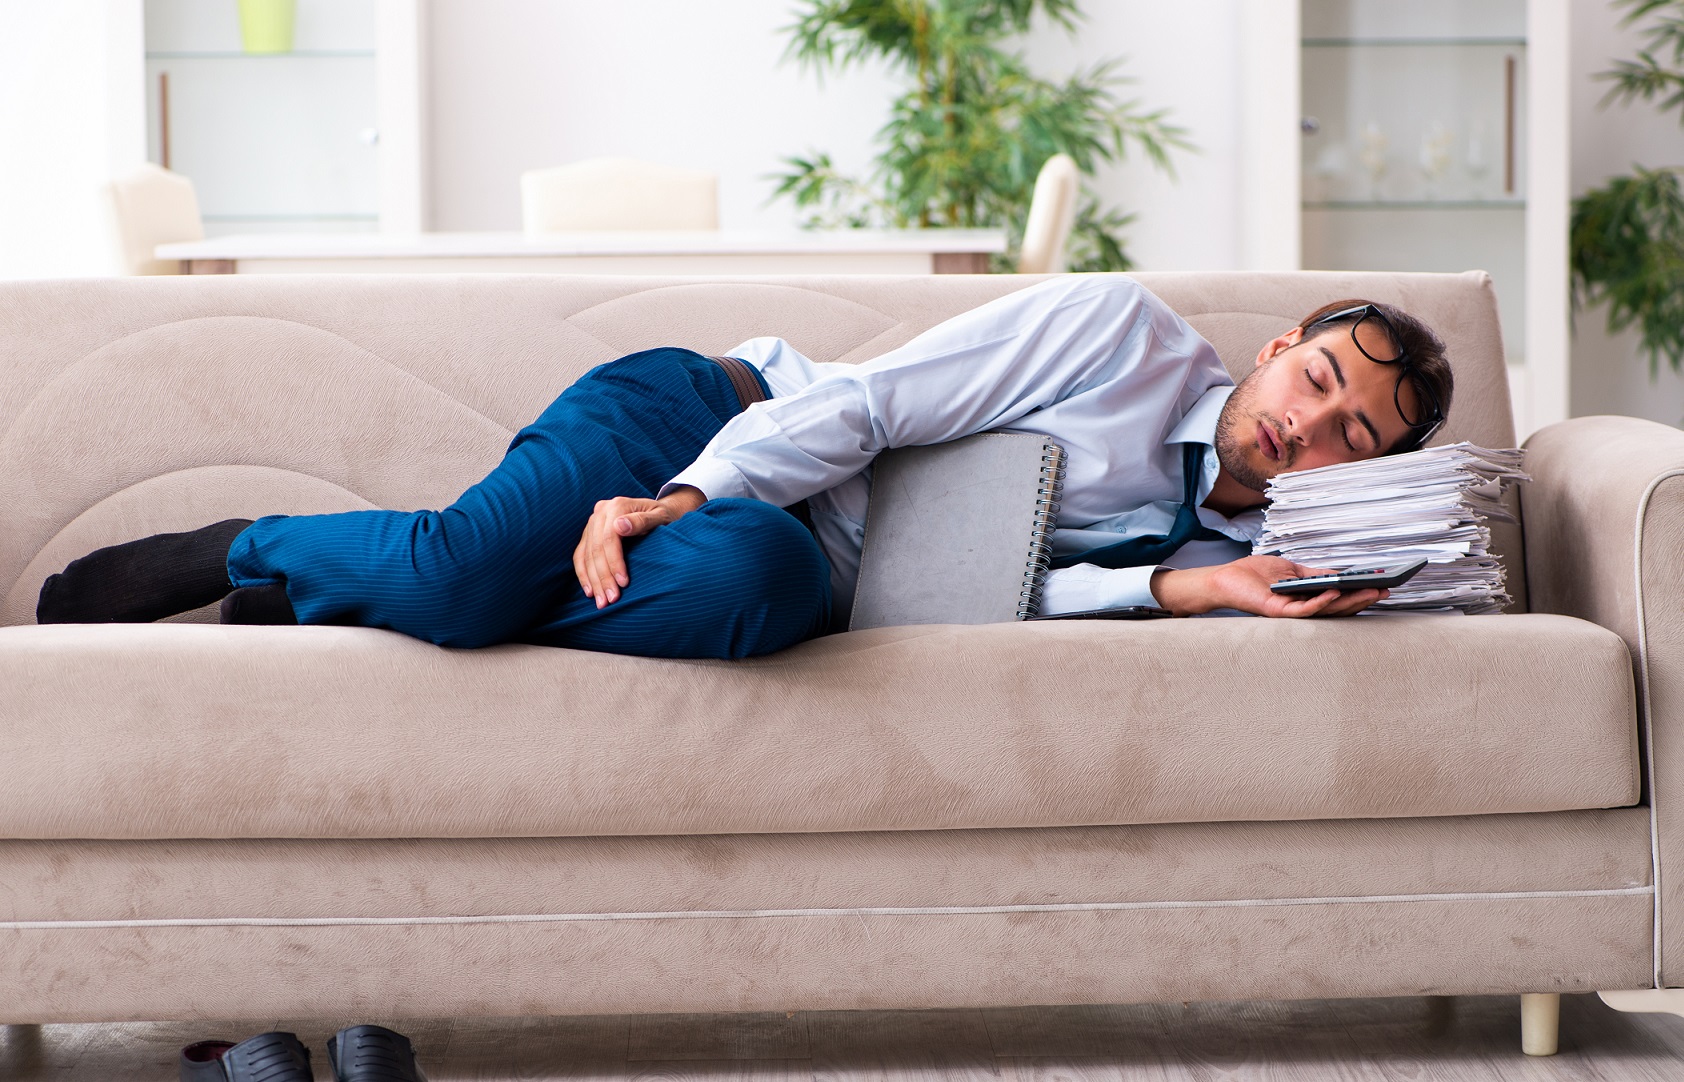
column 208, row 822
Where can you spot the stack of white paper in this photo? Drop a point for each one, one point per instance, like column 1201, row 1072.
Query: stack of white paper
column 1432, row 503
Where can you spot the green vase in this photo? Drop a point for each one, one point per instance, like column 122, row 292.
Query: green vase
column 266, row 25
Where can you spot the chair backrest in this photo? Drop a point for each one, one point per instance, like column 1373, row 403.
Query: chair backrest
column 618, row 193
column 1052, row 211
column 151, row 206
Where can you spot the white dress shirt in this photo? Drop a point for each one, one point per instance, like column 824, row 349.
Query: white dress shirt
column 1095, row 362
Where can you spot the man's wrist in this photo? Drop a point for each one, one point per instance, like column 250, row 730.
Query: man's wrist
column 1182, row 591
column 683, row 499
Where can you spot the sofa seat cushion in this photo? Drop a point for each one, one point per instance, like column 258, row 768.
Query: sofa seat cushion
column 189, row 731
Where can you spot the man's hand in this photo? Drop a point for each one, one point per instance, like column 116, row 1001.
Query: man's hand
column 1244, row 585
column 600, row 558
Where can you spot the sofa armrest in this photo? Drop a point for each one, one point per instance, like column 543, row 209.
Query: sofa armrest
column 1602, row 486
column 1604, row 529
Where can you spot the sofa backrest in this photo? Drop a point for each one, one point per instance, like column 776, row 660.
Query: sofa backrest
column 135, row 406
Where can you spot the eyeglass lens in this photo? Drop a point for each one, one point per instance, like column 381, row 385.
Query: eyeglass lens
column 1384, row 338
column 1381, row 337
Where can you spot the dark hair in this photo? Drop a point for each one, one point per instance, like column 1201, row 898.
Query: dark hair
column 1423, row 364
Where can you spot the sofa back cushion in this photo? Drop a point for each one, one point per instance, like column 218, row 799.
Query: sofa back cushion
column 129, row 407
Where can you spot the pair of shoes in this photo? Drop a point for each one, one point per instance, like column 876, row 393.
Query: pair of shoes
column 357, row 1054
column 267, row 1057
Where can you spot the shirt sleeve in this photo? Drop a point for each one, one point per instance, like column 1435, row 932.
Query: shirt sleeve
column 980, row 370
column 1083, row 587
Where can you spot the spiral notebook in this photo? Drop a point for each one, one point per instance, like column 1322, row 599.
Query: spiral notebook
column 960, row 532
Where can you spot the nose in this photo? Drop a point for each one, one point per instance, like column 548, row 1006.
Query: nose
column 1305, row 420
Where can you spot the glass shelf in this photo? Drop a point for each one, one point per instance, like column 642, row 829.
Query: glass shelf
column 1414, row 204
column 1414, row 140
column 1346, row 43
column 300, row 217
column 236, row 54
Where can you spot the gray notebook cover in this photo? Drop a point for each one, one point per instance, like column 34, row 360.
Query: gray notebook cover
column 959, row 533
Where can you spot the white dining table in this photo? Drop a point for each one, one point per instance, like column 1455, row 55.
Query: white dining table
column 849, row 251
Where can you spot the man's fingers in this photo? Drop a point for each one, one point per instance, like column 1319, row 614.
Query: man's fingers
column 579, row 568
column 599, row 560
column 1362, row 600
column 1352, row 602
column 1311, row 606
column 600, row 546
column 584, row 555
column 638, row 523
column 602, row 570
column 595, row 579
column 614, row 564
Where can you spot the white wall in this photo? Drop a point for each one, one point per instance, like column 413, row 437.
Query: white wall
column 70, row 77
column 1609, row 374
column 518, row 84
column 521, row 84
column 1185, row 57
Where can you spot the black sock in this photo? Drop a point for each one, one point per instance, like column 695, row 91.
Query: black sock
column 141, row 581
column 258, row 605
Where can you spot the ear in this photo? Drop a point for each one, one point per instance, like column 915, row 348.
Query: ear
column 1273, row 346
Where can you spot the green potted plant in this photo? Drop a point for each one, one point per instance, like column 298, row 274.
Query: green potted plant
column 1627, row 237
column 963, row 144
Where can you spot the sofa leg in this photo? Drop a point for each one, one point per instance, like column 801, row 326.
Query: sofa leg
column 1647, row 1000
column 1540, row 1023
column 20, row 1048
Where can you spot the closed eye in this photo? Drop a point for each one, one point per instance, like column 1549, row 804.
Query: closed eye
column 1344, row 430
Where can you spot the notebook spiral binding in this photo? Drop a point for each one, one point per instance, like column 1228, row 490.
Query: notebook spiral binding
column 1047, row 497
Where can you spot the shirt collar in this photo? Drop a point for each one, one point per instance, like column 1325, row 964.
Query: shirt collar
column 1198, row 425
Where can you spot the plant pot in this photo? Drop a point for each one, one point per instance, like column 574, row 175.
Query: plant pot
column 266, row 25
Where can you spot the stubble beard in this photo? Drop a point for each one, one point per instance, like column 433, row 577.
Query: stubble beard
column 1234, row 427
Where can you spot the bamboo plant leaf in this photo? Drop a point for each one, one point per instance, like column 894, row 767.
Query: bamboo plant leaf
column 1627, row 245
column 1626, row 237
column 964, row 142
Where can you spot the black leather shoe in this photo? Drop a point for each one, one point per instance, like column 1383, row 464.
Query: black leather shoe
column 267, row 1057
column 372, row 1054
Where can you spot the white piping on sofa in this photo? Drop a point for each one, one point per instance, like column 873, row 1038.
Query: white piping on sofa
column 869, row 911
column 1644, row 711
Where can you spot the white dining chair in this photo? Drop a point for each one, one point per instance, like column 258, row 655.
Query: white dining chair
column 618, row 193
column 149, row 206
column 1052, row 213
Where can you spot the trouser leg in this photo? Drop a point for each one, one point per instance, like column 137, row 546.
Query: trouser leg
column 498, row 561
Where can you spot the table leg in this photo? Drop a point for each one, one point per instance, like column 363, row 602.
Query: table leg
column 959, row 262
column 207, row 266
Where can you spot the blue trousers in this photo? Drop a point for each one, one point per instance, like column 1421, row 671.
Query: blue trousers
column 732, row 579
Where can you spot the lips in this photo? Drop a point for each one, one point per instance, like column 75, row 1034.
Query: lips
column 1267, row 442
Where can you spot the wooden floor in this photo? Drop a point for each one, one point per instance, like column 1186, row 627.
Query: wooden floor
column 1466, row 1039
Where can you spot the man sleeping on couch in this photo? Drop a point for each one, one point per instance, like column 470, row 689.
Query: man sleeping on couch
column 643, row 511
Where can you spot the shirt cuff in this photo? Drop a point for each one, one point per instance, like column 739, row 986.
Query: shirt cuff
column 1084, row 587
column 717, row 480
column 1125, row 586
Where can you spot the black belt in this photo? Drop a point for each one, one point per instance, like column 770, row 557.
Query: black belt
column 748, row 387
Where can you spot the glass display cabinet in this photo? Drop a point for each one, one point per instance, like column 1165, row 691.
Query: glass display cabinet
column 1431, row 140
column 321, row 135
column 1421, row 136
